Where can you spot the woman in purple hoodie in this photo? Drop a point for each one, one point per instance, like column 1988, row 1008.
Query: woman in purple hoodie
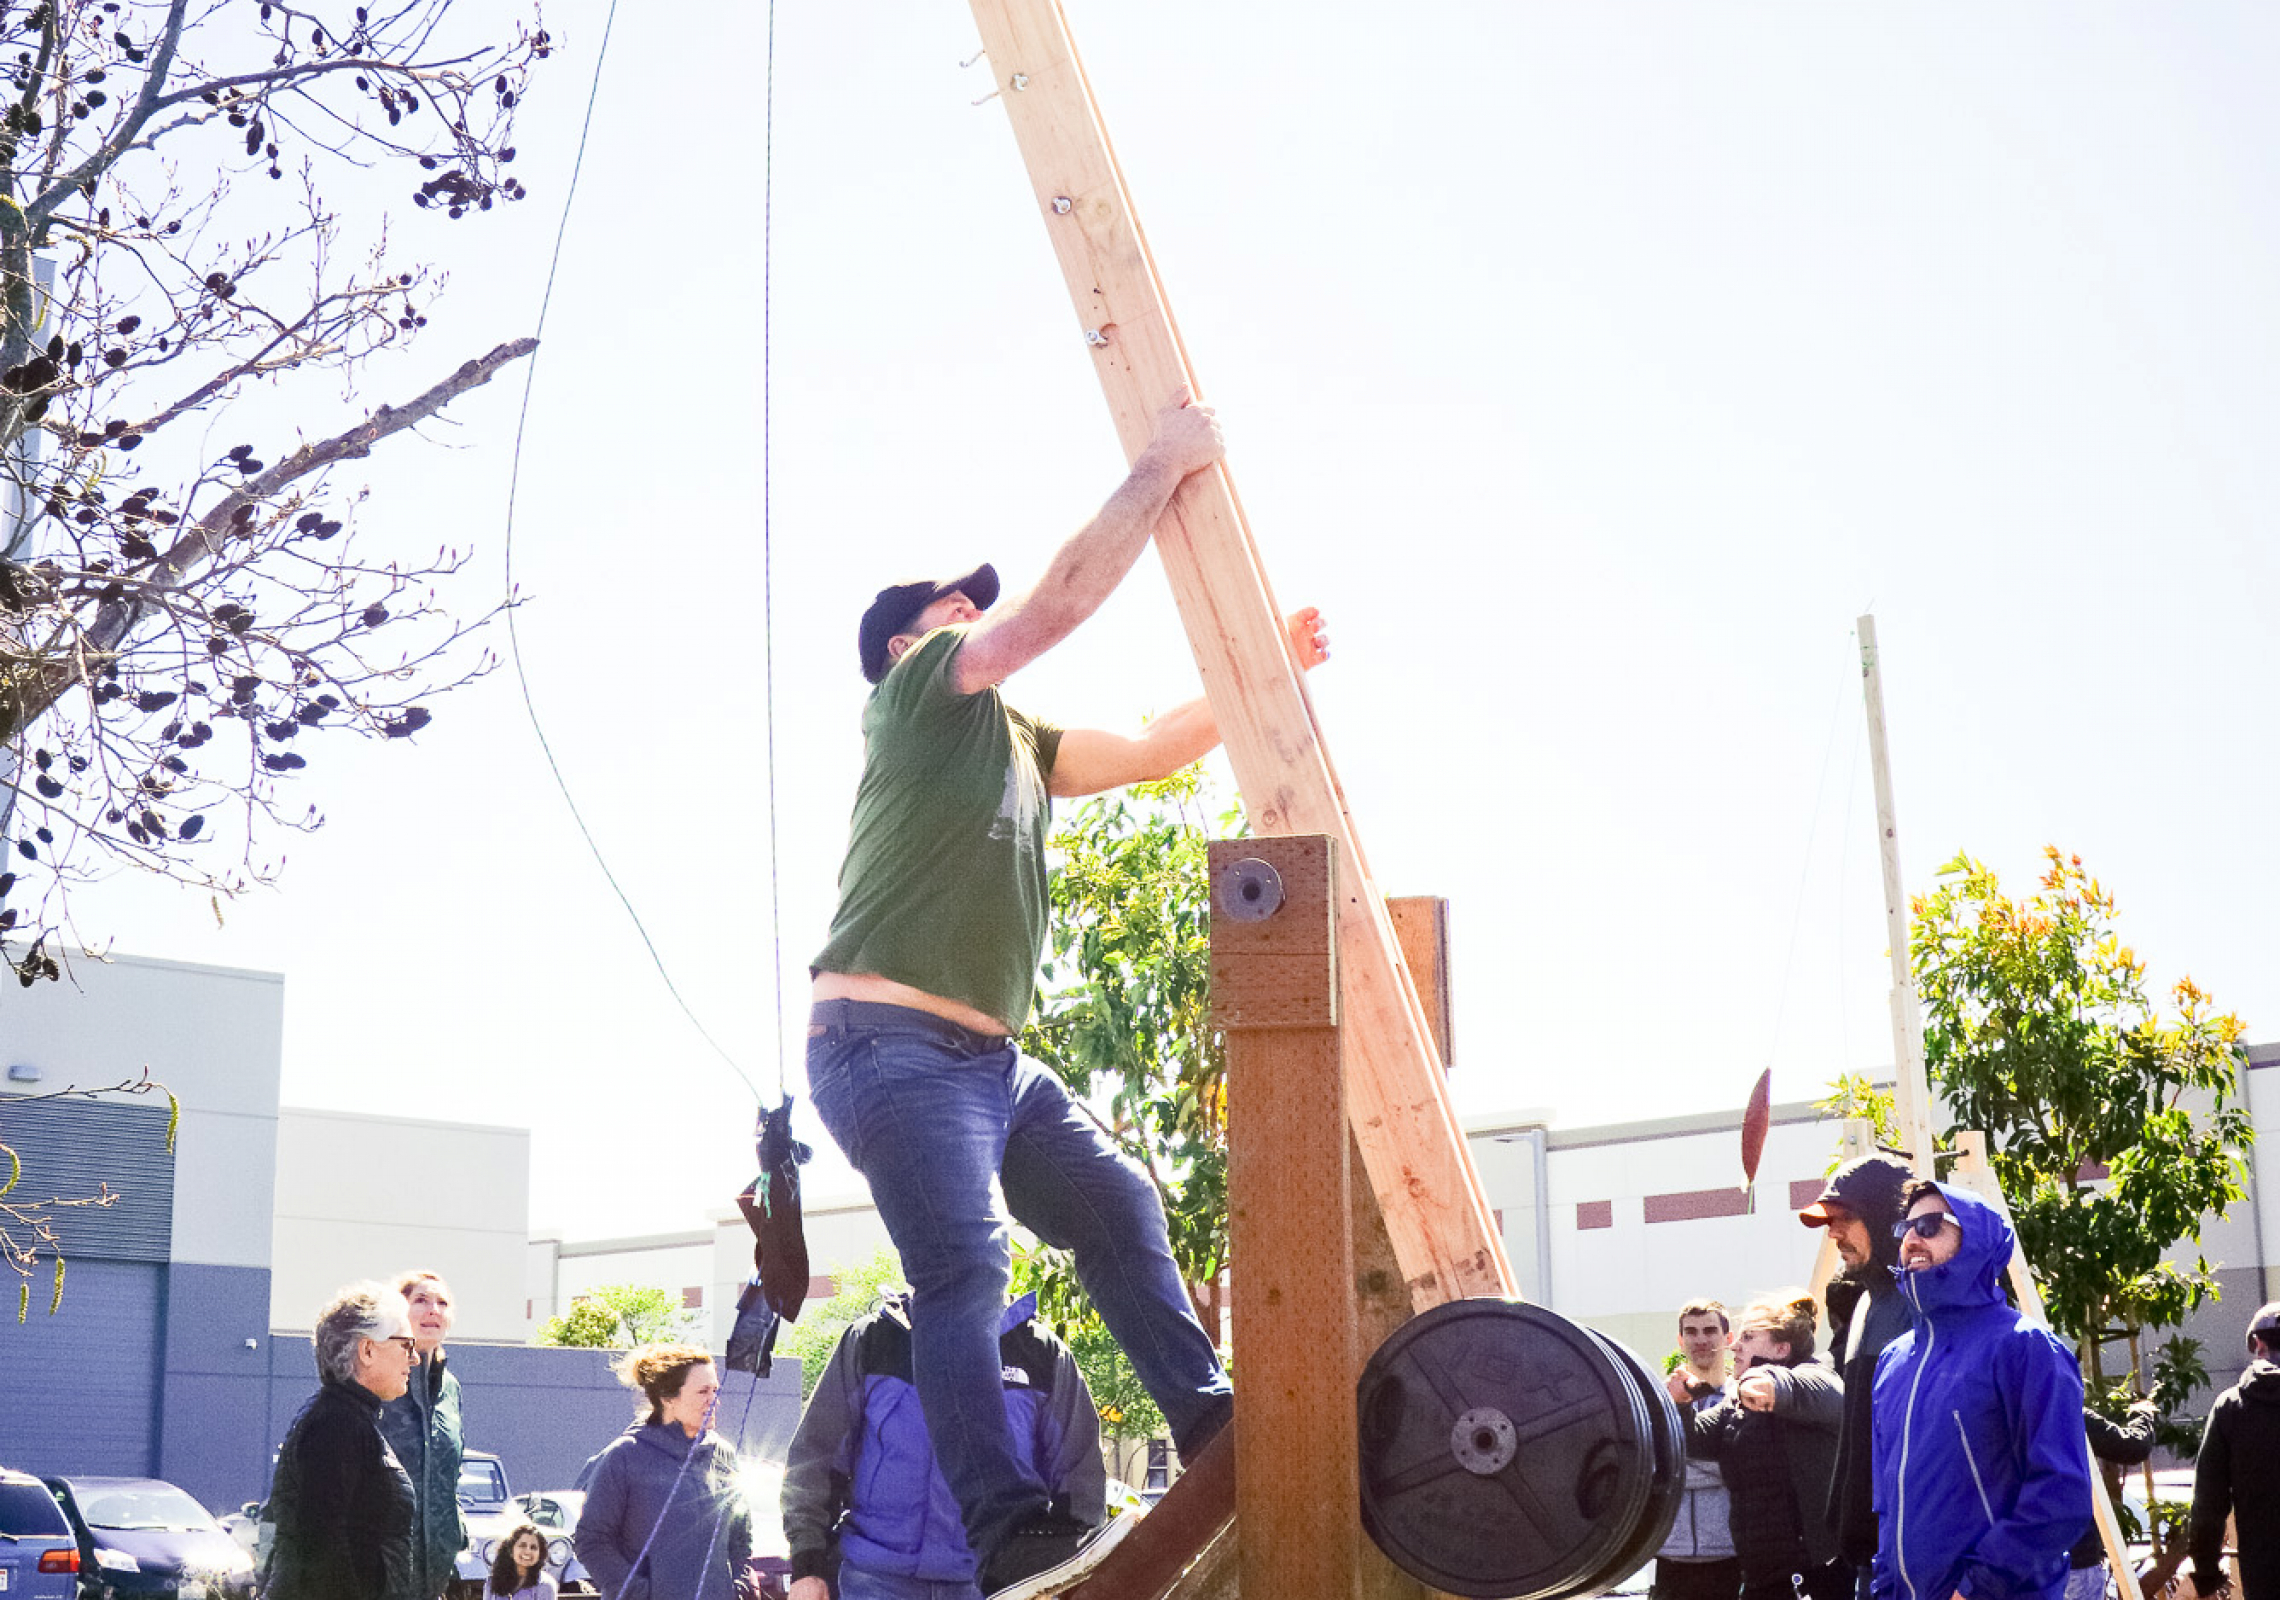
column 664, row 1518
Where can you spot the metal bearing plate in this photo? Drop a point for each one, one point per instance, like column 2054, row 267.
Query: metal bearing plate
column 1588, row 1474
column 1482, row 1440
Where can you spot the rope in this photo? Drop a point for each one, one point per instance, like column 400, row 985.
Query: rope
column 514, row 634
column 1805, row 868
column 728, row 1505
column 767, row 544
column 674, row 1488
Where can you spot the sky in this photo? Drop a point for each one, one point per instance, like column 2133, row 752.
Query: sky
column 1592, row 368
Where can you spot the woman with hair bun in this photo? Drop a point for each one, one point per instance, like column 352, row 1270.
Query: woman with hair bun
column 664, row 1517
column 1774, row 1438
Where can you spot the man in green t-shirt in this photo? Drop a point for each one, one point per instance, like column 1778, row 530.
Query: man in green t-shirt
column 929, row 970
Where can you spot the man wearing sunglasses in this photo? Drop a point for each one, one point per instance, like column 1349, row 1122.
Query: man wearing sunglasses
column 1982, row 1479
column 1859, row 1205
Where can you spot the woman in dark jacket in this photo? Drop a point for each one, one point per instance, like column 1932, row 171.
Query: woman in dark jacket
column 1775, row 1439
column 423, row 1427
column 664, row 1517
column 341, row 1501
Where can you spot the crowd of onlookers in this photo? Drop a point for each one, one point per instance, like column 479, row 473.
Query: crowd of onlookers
column 364, row 1500
column 1937, row 1445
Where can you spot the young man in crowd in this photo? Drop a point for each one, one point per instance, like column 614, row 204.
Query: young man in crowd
column 1697, row 1561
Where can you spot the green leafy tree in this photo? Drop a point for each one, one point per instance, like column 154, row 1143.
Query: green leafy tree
column 1125, row 1021
column 620, row 1316
column 2113, row 1129
column 811, row 1340
column 1125, row 1014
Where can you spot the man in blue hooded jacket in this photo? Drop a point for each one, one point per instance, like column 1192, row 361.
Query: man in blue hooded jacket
column 861, row 1481
column 1982, row 1474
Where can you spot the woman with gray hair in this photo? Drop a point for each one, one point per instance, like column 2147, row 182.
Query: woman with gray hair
column 342, row 1503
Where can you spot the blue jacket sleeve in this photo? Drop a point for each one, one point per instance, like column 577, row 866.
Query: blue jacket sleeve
column 1883, row 1581
column 601, row 1535
column 2025, row 1549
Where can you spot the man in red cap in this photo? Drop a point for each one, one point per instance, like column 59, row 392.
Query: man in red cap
column 929, row 971
column 1858, row 1205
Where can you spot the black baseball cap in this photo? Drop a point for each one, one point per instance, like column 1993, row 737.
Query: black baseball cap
column 1867, row 1188
column 2266, row 1323
column 891, row 612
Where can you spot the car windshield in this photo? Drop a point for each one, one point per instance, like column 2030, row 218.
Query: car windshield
column 481, row 1483
column 554, row 1511
column 147, row 1505
column 27, row 1508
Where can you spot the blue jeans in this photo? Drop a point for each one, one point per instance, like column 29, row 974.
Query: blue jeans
column 856, row 1584
column 935, row 1116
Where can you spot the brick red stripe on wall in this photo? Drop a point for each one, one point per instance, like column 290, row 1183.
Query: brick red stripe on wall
column 1595, row 1214
column 1804, row 1191
column 1693, row 1204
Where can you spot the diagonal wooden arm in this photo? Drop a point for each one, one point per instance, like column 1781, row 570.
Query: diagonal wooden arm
column 1436, row 1213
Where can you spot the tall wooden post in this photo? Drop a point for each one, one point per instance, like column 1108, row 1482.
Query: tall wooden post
column 1273, row 993
column 1911, row 1086
column 1435, row 1211
column 1913, row 1082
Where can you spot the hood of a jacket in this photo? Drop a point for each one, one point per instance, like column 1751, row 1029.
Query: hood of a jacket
column 1972, row 1278
column 669, row 1438
column 2261, row 1383
column 896, row 1304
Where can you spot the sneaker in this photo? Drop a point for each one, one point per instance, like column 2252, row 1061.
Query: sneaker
column 1053, row 1553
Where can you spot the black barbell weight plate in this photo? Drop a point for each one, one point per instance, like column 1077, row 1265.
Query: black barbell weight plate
column 1506, row 1452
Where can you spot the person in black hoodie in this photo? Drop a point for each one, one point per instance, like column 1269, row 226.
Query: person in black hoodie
column 342, row 1503
column 1859, row 1205
column 1775, row 1439
column 2238, row 1473
column 2124, row 1444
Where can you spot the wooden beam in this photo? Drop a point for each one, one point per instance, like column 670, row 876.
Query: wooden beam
column 1196, row 1513
column 1436, row 1213
column 1289, row 1222
column 1912, row 1088
column 1421, row 928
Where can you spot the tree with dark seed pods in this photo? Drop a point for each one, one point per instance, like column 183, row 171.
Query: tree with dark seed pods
column 170, row 619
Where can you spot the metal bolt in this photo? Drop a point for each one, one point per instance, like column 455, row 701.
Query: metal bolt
column 1061, row 204
column 1096, row 336
column 1021, row 80
column 1250, row 890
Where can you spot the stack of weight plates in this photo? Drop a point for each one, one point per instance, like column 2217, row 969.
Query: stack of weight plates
column 1510, row 1454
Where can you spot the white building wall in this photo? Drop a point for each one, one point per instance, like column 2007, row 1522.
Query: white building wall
column 372, row 1196
column 214, row 1037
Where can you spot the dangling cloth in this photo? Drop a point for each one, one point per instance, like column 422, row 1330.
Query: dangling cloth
column 771, row 1207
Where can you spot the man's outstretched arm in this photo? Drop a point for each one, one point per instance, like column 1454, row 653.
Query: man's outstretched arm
column 1091, row 759
column 1092, row 561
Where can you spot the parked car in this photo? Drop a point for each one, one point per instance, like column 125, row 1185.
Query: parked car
column 491, row 1511
column 39, row 1554
column 143, row 1536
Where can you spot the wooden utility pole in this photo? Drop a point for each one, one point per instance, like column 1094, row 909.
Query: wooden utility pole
column 1911, row 1084
column 1434, row 1211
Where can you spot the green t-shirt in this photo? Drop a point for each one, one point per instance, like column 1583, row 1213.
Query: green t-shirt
column 943, row 887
